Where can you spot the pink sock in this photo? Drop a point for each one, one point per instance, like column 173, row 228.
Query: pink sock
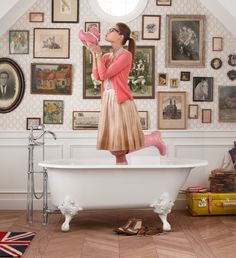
column 121, row 160
column 154, row 139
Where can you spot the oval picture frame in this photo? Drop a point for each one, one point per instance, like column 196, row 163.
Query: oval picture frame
column 216, row 63
column 12, row 85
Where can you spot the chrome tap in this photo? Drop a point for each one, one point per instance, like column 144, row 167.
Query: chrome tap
column 33, row 140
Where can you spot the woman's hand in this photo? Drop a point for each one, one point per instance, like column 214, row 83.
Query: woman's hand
column 96, row 49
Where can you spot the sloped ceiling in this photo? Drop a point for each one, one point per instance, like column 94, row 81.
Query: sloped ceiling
column 224, row 10
column 11, row 11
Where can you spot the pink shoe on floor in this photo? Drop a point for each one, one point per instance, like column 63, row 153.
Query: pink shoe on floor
column 91, row 36
column 154, row 139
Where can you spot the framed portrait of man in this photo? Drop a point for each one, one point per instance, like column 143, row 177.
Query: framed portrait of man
column 12, row 85
column 185, row 41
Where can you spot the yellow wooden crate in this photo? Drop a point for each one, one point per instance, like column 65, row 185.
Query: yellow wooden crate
column 211, row 203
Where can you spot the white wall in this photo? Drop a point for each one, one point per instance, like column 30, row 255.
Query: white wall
column 204, row 141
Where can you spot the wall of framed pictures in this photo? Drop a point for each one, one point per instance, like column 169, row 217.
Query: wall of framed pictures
column 171, row 18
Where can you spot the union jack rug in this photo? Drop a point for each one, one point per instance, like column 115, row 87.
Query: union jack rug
column 13, row 244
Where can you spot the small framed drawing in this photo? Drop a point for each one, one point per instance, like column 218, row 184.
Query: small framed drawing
column 19, row 42
column 206, row 116
column 89, row 25
column 36, row 17
column 51, row 79
column 171, row 110
column 65, row 11
column 193, row 111
column 163, row 2
column 151, row 27
column 135, row 35
column 33, row 122
column 53, row 111
column 85, row 120
column 162, row 79
column 174, row 83
column 184, row 76
column 217, row 43
column 185, row 41
column 216, row 63
column 12, row 85
column 227, row 110
column 203, row 89
column 144, row 119
column 51, row 43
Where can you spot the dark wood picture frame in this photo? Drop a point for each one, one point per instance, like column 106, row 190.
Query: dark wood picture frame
column 63, row 13
column 203, row 89
column 19, row 42
column 51, row 43
column 184, row 76
column 36, row 17
column 11, row 73
column 166, row 3
column 51, row 78
column 151, row 27
column 144, row 119
column 206, row 115
column 185, row 39
column 33, row 122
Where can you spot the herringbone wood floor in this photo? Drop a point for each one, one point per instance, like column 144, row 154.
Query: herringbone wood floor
column 91, row 236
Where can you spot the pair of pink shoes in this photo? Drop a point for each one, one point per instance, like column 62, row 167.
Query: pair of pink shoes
column 90, row 36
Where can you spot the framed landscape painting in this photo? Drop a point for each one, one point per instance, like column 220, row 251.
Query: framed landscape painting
column 51, row 43
column 171, row 110
column 185, row 41
column 227, row 104
column 141, row 79
column 51, row 79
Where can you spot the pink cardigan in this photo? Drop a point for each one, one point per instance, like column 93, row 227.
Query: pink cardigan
column 118, row 72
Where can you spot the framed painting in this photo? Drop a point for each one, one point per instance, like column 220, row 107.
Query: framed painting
column 171, row 110
column 203, row 89
column 162, row 79
column 141, row 79
column 185, row 41
column 85, row 120
column 216, row 63
column 19, row 42
column 206, row 116
column 36, row 17
column 33, row 122
column 65, row 11
column 89, row 25
column 144, row 119
column 151, row 27
column 184, row 76
column 174, row 82
column 51, row 79
column 193, row 111
column 12, row 85
column 53, row 111
column 51, row 43
column 217, row 44
column 163, row 2
column 227, row 104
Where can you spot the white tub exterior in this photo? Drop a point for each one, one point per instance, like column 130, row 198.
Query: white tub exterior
column 99, row 184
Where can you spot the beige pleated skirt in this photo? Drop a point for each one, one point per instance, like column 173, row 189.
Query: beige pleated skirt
column 119, row 125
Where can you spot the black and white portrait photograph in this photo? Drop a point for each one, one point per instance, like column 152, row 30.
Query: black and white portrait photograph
column 202, row 88
column 11, row 85
column 185, row 40
column 216, row 63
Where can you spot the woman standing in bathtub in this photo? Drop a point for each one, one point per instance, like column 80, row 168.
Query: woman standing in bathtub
column 119, row 129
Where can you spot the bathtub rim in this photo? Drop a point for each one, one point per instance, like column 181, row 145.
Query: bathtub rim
column 74, row 164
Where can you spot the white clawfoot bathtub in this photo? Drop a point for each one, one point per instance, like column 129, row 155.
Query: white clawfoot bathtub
column 99, row 184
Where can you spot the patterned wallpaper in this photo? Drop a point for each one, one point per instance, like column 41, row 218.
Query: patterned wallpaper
column 32, row 105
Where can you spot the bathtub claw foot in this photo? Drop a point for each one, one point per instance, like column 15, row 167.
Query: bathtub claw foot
column 69, row 209
column 162, row 207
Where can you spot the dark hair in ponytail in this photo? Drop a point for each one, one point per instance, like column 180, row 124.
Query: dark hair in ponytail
column 125, row 31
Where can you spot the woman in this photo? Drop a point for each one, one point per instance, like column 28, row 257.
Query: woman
column 119, row 129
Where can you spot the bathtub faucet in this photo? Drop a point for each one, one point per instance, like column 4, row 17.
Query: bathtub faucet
column 33, row 140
